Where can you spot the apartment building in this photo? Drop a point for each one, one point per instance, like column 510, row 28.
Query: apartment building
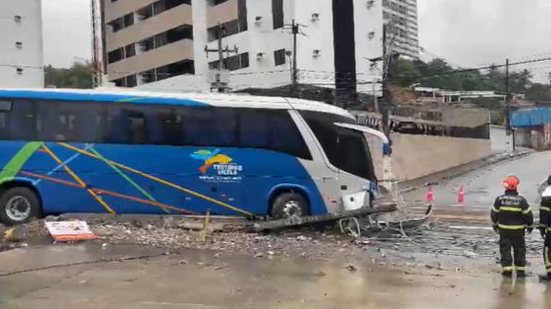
column 403, row 31
column 21, row 47
column 161, row 43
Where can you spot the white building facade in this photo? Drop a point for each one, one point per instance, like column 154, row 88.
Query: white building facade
column 21, row 44
column 337, row 39
column 403, row 35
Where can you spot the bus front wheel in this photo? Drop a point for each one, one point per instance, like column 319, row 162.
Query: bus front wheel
column 18, row 205
column 289, row 205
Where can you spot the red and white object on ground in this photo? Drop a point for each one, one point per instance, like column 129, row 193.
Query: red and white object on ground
column 430, row 195
column 461, row 196
column 70, row 230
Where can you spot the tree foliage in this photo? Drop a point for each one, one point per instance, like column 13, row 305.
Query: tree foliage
column 79, row 76
column 439, row 74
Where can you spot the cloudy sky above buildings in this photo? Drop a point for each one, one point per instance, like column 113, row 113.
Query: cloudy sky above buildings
column 467, row 33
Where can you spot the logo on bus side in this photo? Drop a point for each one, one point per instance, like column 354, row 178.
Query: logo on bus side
column 225, row 169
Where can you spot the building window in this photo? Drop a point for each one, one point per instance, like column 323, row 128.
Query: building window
column 242, row 15
column 279, row 57
column 277, row 13
column 130, row 50
column 117, row 24
column 131, row 81
column 232, row 63
column 128, row 20
column 216, row 2
column 115, row 55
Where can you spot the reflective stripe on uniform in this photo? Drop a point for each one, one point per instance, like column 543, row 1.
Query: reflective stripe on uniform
column 527, row 211
column 545, row 209
column 508, row 268
column 512, row 209
column 548, row 269
column 495, row 209
column 512, row 227
column 546, row 256
column 521, row 268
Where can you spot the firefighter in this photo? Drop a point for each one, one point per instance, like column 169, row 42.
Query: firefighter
column 545, row 228
column 512, row 218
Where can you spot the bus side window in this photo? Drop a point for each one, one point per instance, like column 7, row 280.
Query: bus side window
column 253, row 129
column 285, row 136
column 22, row 122
column 116, row 126
column 209, row 127
column 137, row 133
column 5, row 109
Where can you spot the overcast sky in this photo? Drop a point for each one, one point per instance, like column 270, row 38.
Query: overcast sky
column 465, row 32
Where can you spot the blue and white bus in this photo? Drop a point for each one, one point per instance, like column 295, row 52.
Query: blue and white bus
column 71, row 151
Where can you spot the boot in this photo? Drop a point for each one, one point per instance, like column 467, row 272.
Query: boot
column 507, row 274
column 546, row 277
column 521, row 274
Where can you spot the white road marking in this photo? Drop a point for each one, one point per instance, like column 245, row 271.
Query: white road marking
column 465, row 227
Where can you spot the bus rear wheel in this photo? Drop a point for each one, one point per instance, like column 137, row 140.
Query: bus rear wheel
column 289, row 205
column 18, row 205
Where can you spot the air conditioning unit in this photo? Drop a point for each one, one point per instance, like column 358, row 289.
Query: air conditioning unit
column 260, row 56
column 316, row 53
column 315, row 17
column 371, row 35
column 19, row 44
column 370, row 4
column 140, row 17
column 258, row 20
column 17, row 18
column 19, row 70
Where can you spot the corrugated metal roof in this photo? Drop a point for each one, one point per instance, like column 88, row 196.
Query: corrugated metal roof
column 531, row 117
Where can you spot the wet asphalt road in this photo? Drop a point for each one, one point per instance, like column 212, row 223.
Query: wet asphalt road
column 42, row 277
column 482, row 186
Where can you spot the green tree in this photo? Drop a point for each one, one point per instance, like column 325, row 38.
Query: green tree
column 79, row 76
column 404, row 73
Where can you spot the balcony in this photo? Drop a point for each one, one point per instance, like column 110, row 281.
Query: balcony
column 222, row 13
column 142, row 29
column 152, row 59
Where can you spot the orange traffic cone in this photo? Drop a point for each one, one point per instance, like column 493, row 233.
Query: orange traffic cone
column 461, row 196
column 430, row 196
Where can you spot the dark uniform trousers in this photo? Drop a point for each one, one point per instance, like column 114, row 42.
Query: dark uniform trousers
column 547, row 252
column 512, row 239
column 545, row 226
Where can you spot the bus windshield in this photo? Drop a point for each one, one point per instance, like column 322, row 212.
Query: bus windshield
column 345, row 149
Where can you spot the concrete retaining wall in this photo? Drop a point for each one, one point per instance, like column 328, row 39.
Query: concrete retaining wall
column 416, row 156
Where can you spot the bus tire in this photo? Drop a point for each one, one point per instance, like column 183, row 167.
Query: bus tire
column 288, row 205
column 18, row 205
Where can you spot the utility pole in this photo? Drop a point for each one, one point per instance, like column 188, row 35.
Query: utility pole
column 218, row 83
column 385, row 100
column 295, row 30
column 97, row 44
column 509, row 137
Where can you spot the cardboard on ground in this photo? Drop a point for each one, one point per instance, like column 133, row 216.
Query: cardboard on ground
column 70, row 230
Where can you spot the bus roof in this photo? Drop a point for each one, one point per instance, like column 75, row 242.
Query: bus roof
column 179, row 99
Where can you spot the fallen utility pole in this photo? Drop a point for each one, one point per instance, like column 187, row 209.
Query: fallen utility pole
column 301, row 221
